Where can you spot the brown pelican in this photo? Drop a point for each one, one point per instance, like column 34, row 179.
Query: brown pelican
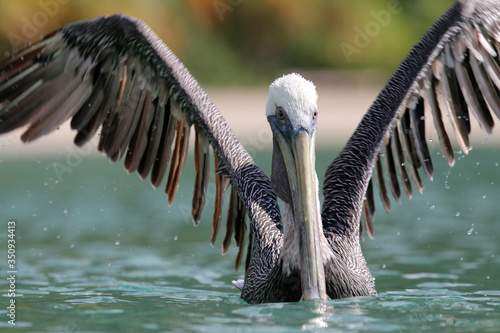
column 114, row 76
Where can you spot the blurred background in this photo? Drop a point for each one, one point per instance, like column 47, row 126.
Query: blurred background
column 226, row 42
column 236, row 48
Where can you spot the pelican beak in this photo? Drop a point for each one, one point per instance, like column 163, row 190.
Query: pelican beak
column 299, row 157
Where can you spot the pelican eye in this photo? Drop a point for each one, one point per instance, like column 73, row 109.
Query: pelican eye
column 280, row 113
column 315, row 114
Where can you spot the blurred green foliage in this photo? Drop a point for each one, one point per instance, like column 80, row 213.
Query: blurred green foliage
column 228, row 42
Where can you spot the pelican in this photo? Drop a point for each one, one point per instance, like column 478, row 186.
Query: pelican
column 115, row 77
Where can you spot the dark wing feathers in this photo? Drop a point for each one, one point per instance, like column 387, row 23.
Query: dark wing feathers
column 390, row 165
column 368, row 212
column 221, row 184
column 114, row 76
column 381, row 185
column 202, row 167
column 400, row 162
column 458, row 59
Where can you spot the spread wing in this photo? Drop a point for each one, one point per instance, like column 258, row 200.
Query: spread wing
column 113, row 76
column 457, row 58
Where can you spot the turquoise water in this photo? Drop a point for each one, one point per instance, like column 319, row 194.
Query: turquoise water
column 98, row 251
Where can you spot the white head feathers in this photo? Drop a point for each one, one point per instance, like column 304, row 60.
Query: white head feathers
column 294, row 94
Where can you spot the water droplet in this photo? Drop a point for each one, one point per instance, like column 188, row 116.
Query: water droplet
column 45, row 229
column 72, row 246
column 488, row 277
column 469, row 232
column 65, row 211
column 117, row 243
column 175, row 237
column 484, row 196
column 457, row 214
column 384, row 266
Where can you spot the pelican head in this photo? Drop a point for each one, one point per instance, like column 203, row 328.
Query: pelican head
column 291, row 110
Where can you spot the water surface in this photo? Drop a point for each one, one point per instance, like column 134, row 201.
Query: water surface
column 100, row 251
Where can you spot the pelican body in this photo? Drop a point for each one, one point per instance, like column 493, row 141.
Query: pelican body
column 115, row 77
